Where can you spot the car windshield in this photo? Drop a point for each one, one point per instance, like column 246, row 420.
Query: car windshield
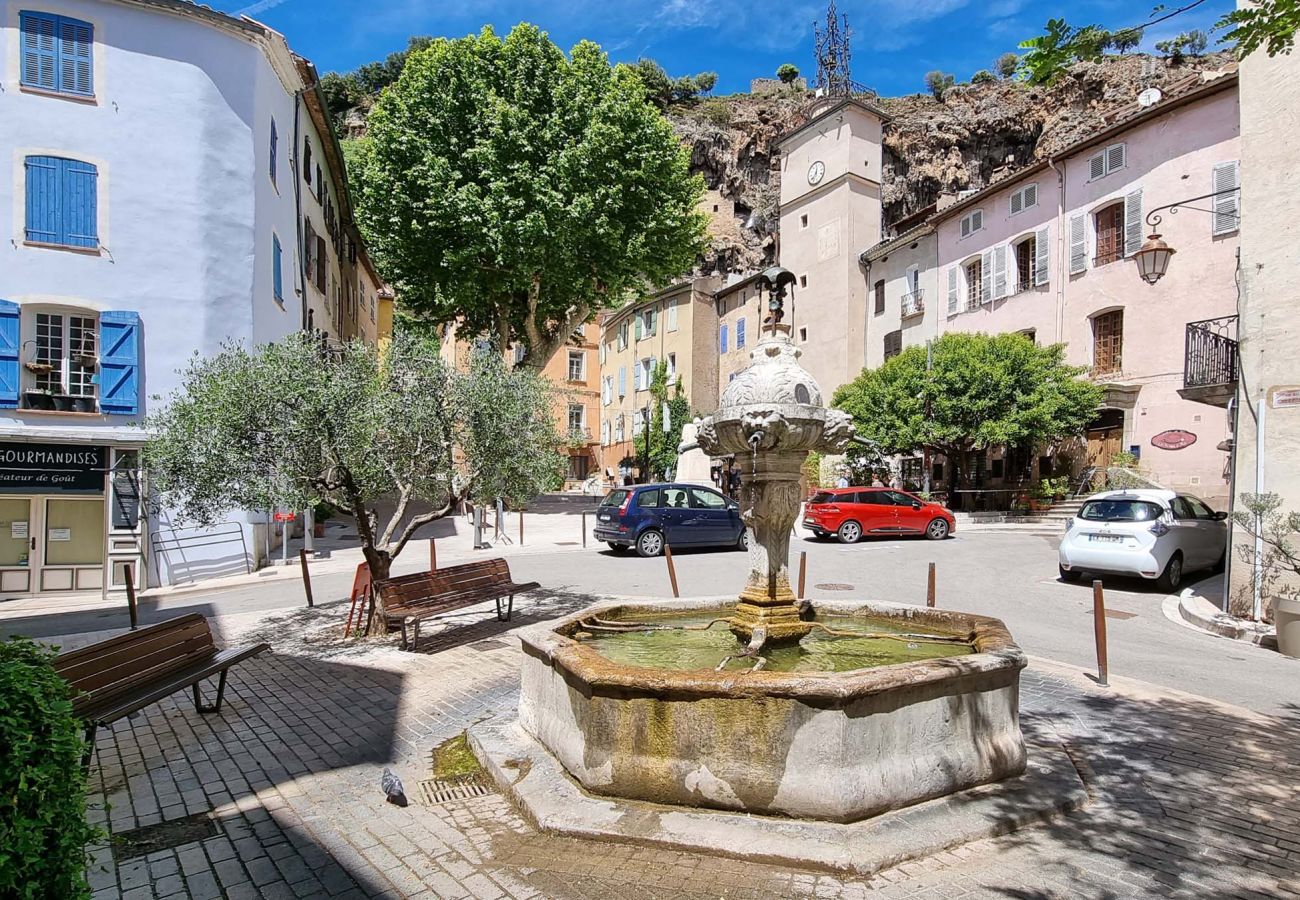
column 615, row 498
column 822, row 497
column 1120, row 510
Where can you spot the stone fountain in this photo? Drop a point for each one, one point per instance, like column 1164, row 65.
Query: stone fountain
column 821, row 713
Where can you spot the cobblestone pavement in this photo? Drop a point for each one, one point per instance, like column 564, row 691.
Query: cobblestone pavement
column 279, row 796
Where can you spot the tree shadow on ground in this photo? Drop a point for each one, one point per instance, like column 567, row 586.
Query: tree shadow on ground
column 1188, row 797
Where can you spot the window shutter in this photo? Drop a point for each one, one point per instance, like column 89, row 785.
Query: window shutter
column 1133, row 222
column 977, row 220
column 672, row 317
column 275, row 142
column 276, row 277
column 1227, row 207
column 43, row 199
column 722, row 338
column 654, row 322
column 1078, row 244
column 79, row 207
column 952, row 290
column 1042, row 255
column 999, row 271
column 320, row 262
column 1031, row 195
column 638, row 327
column 1097, row 166
column 622, row 381
column 119, row 363
column 1114, row 158
column 10, row 345
column 1017, row 201
column 638, row 374
column 39, row 50
column 76, row 40
column 986, row 276
column 965, row 226
column 740, row 333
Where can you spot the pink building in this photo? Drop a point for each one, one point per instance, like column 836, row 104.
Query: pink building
column 1048, row 252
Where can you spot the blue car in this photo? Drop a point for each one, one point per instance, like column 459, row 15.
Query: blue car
column 647, row 516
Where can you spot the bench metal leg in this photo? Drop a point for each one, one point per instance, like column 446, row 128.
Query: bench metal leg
column 221, row 692
column 405, row 643
column 504, row 615
column 89, row 752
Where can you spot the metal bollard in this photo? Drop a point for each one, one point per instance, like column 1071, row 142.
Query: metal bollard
column 672, row 570
column 803, row 571
column 1099, row 631
column 130, row 597
column 433, row 555
column 929, row 587
column 521, row 528
column 306, row 577
column 584, row 529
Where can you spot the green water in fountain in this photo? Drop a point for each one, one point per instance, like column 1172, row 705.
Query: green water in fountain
column 684, row 650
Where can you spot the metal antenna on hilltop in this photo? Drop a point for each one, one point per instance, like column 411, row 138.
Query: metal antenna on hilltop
column 832, row 49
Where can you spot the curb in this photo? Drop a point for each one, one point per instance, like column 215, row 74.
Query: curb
column 1199, row 613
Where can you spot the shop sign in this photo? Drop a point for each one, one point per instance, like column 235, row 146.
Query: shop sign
column 1284, row 397
column 1174, row 439
column 284, row 517
column 52, row 469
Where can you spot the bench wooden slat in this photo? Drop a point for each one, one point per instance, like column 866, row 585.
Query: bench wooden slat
column 112, row 708
column 411, row 598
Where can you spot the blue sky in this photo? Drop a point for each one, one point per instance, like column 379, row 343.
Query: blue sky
column 895, row 42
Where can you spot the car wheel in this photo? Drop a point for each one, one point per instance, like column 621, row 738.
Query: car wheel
column 1070, row 575
column 849, row 533
column 1172, row 576
column 742, row 542
column 650, row 543
column 937, row 530
column 617, row 548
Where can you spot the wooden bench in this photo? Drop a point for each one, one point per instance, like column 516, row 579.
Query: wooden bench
column 112, row 679
column 409, row 599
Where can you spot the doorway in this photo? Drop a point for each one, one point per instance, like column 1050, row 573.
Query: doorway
column 51, row 544
column 16, row 538
column 1105, row 438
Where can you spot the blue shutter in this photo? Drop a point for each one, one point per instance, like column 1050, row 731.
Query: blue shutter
column 722, row 339
column 275, row 140
column 119, row 364
column 622, row 381
column 740, row 333
column 76, row 40
column 43, row 199
column 275, row 264
column 10, row 344
column 78, row 210
column 40, row 65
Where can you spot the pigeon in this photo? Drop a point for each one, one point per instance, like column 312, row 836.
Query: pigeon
column 393, row 789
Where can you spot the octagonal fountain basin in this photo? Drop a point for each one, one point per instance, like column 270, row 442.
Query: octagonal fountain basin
column 836, row 728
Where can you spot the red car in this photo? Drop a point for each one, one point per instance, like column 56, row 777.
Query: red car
column 849, row 513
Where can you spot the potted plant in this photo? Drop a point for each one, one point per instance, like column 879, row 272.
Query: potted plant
column 1041, row 496
column 321, row 512
column 38, row 399
column 84, row 404
column 64, row 402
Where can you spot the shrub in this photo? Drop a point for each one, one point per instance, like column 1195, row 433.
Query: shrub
column 1007, row 64
column 716, row 111
column 787, row 72
column 43, row 828
column 983, row 76
column 938, row 83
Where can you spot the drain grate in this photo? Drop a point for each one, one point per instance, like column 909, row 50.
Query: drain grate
column 833, row 586
column 163, row 836
column 435, row 791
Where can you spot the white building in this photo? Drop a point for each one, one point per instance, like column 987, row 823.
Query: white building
column 167, row 163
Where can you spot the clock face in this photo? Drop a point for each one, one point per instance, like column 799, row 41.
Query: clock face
column 816, row 172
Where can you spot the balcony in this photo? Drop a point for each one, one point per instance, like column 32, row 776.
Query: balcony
column 913, row 304
column 579, row 436
column 1210, row 361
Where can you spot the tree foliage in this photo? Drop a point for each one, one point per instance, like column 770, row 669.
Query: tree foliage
column 291, row 425
column 1278, row 574
column 519, row 190
column 787, row 72
column 1189, row 43
column 663, row 90
column 1007, row 64
column 43, row 829
column 980, row 391
column 1270, row 24
column 1048, row 55
column 983, row 76
column 346, row 90
column 664, row 441
column 938, row 83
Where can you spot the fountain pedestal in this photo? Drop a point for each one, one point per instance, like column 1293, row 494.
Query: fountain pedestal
column 769, row 504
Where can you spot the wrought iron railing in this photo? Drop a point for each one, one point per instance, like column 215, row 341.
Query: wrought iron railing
column 1211, row 352
column 914, row 303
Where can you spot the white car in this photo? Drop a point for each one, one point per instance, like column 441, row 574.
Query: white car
column 1154, row 534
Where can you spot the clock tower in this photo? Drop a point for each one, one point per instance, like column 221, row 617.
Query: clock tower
column 830, row 212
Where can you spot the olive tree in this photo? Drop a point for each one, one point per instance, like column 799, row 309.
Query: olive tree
column 395, row 441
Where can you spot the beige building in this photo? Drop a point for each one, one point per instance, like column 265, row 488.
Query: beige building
column 1268, row 396
column 830, row 211
column 677, row 325
column 740, row 316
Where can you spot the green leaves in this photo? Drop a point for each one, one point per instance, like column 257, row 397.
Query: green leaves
column 518, row 191
column 43, row 829
column 980, row 391
column 1270, row 24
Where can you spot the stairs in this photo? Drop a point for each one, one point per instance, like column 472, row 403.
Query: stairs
column 1042, row 521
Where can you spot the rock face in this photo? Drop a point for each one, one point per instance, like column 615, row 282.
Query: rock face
column 976, row 133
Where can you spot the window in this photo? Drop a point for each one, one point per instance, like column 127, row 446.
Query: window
column 803, row 281
column 277, row 281
column 722, row 338
column 579, row 467
column 880, row 296
column 577, row 365
column 672, row 316
column 62, row 357
column 974, row 283
column 622, row 336
column 607, row 390
column 275, row 141
column 605, row 433
column 1227, row 206
column 1112, row 159
column 619, row 432
column 1108, row 342
column 1030, row 334
column 646, row 374
column 893, row 344
column 577, row 416
column 647, row 323
column 306, row 160
column 803, row 334
column 320, row 182
column 803, row 221
column 1110, row 234
column 1024, row 199
column 740, row 333
column 972, row 222
column 1026, row 253
column 57, row 54
column 62, row 202
column 715, row 207
column 703, row 499
column 672, row 368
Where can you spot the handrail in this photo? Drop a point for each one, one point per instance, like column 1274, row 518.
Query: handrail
column 1210, row 354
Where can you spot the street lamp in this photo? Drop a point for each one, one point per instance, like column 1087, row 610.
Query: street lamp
column 1153, row 257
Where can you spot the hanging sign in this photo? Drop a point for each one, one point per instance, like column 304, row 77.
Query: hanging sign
column 284, row 517
column 1174, row 439
column 52, row 469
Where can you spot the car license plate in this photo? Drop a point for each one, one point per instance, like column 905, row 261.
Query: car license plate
column 604, row 517
column 809, row 522
column 1106, row 538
